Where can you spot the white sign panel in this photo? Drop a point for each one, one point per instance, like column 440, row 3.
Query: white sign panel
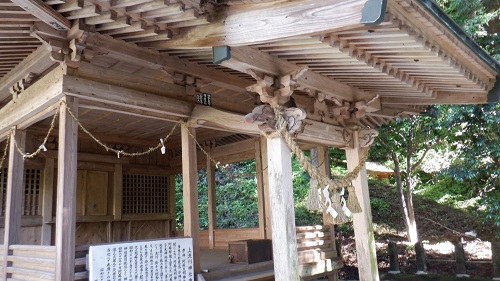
column 151, row 260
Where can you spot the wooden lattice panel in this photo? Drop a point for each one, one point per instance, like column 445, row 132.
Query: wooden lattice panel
column 32, row 191
column 145, row 194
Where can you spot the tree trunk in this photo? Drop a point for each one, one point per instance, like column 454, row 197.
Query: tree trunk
column 412, row 224
column 402, row 199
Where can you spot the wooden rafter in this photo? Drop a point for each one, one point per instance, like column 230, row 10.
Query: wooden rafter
column 245, row 58
column 45, row 13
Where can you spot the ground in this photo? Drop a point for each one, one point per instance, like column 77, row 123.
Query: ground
column 437, row 225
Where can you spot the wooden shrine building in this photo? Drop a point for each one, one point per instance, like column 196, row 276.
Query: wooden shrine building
column 86, row 86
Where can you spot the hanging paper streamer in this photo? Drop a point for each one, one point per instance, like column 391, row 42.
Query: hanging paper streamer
column 162, row 146
column 328, row 203
column 346, row 210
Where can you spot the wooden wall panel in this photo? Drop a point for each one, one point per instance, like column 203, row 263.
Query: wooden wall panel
column 29, row 235
column 141, row 230
column 96, row 193
column 91, row 233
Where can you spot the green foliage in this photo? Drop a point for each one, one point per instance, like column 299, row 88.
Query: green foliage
column 380, row 205
column 304, row 217
column 479, row 18
column 236, row 197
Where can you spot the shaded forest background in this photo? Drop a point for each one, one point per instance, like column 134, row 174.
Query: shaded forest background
column 452, row 159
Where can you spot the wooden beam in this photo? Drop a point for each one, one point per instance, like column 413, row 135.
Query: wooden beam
column 190, row 192
column 164, row 87
column 363, row 226
column 314, row 131
column 47, row 201
column 66, row 192
column 14, row 197
column 37, row 62
column 122, row 97
column 284, row 240
column 212, row 203
column 262, row 22
column 44, row 13
column 42, row 94
column 244, row 58
column 155, row 60
column 440, row 98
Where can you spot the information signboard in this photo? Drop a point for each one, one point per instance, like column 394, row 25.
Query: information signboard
column 150, row 260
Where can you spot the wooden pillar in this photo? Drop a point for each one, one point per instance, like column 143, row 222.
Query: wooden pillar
column 363, row 226
column 66, row 192
column 114, row 227
column 190, row 192
column 265, row 189
column 495, row 258
column 421, row 258
column 117, row 192
column 171, row 204
column 15, row 190
column 460, row 259
column 393, row 258
column 212, row 204
column 47, row 201
column 285, row 256
column 261, row 194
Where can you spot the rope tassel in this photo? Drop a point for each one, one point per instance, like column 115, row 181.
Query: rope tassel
column 313, row 202
column 352, row 201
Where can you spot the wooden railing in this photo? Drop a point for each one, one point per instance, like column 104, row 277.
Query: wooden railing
column 317, row 257
column 32, row 262
column 317, row 252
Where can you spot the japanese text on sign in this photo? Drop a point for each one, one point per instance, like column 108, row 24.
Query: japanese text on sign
column 152, row 260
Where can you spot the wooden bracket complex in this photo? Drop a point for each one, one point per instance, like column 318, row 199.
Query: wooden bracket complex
column 263, row 115
column 278, row 93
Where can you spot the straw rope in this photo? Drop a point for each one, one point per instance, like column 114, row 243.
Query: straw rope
column 335, row 185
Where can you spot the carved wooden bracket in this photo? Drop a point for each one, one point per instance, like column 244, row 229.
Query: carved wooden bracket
column 22, row 85
column 263, row 115
column 273, row 93
column 367, row 137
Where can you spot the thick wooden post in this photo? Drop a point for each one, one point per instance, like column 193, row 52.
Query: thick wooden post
column 495, row 257
column 190, row 192
column 393, row 258
column 421, row 258
column 460, row 258
column 47, row 201
column 66, row 192
column 363, row 226
column 212, row 205
column 13, row 201
column 282, row 213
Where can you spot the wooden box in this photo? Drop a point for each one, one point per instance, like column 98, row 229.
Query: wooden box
column 250, row 251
